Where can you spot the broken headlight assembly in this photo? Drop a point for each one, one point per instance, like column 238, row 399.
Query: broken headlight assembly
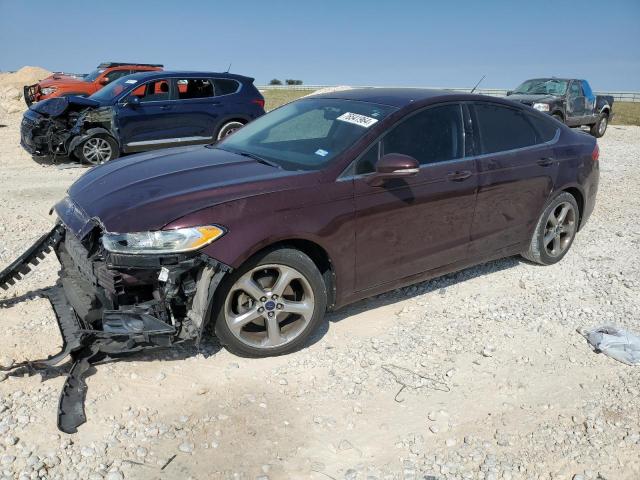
column 162, row 241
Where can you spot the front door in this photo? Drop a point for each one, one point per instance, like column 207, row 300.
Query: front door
column 151, row 123
column 408, row 226
column 516, row 174
column 575, row 104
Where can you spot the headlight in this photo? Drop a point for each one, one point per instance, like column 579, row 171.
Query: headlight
column 47, row 90
column 162, row 241
column 543, row 107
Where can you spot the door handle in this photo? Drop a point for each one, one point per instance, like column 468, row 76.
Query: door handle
column 545, row 162
column 166, row 107
column 458, row 176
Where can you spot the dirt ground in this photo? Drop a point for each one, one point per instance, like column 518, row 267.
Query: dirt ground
column 498, row 384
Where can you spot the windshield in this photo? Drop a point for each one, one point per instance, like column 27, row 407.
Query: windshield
column 114, row 89
column 306, row 134
column 543, row 86
column 91, row 77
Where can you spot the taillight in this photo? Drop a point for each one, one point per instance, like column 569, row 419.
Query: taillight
column 258, row 101
column 595, row 155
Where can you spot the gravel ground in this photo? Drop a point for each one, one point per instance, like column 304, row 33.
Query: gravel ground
column 476, row 375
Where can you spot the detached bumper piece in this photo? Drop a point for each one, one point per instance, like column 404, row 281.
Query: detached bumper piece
column 92, row 330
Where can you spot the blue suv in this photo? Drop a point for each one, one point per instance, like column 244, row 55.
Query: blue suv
column 139, row 112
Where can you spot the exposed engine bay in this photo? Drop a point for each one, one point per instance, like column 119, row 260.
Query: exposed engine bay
column 58, row 125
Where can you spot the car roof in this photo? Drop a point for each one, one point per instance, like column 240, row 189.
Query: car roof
column 403, row 97
column 141, row 76
column 554, row 78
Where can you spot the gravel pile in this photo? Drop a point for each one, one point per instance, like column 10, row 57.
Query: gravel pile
column 11, row 87
column 477, row 375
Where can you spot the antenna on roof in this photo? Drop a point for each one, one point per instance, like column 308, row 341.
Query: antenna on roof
column 229, row 67
column 474, row 88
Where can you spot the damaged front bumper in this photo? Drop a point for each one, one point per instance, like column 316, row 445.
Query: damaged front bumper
column 107, row 305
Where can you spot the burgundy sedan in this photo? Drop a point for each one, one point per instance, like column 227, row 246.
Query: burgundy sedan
column 322, row 202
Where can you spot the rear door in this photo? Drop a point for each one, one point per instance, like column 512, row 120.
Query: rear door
column 415, row 224
column 196, row 109
column 516, row 173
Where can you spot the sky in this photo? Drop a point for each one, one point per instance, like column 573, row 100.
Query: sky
column 327, row 42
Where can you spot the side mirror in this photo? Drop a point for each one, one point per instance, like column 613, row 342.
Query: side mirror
column 132, row 101
column 393, row 165
column 509, row 92
column 104, row 81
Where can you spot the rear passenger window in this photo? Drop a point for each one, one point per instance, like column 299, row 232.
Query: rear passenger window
column 194, row 88
column 503, row 128
column 545, row 127
column 433, row 135
column 225, row 86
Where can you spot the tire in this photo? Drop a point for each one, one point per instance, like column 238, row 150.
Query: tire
column 254, row 298
column 559, row 235
column 228, row 128
column 599, row 128
column 97, row 150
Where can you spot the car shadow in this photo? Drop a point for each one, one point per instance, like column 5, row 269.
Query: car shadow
column 439, row 284
column 210, row 346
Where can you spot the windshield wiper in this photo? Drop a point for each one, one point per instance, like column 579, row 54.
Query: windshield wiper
column 259, row 159
column 246, row 154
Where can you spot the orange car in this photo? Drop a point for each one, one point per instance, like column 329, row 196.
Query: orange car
column 63, row 85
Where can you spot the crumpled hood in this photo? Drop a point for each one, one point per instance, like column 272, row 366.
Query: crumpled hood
column 54, row 107
column 525, row 98
column 147, row 191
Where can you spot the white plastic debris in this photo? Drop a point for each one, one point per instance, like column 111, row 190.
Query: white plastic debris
column 615, row 342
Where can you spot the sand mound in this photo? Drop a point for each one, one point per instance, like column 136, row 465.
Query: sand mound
column 11, row 84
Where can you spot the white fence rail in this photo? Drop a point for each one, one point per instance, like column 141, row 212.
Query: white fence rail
column 494, row 92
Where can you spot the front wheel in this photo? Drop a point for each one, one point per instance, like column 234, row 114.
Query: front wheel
column 97, row 150
column 598, row 128
column 555, row 231
column 270, row 305
column 228, row 128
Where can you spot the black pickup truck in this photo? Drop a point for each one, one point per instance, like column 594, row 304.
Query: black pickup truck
column 570, row 101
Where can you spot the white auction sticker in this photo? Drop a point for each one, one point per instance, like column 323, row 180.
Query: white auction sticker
column 131, row 81
column 357, row 119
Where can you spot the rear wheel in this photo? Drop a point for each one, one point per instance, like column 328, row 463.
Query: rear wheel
column 271, row 304
column 600, row 127
column 97, row 150
column 555, row 231
column 228, row 128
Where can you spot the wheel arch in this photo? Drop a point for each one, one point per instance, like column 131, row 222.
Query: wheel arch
column 318, row 255
column 92, row 132
column 231, row 118
column 558, row 113
column 579, row 196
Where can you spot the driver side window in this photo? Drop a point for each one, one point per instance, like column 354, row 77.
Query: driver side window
column 430, row 136
column 116, row 74
column 575, row 90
